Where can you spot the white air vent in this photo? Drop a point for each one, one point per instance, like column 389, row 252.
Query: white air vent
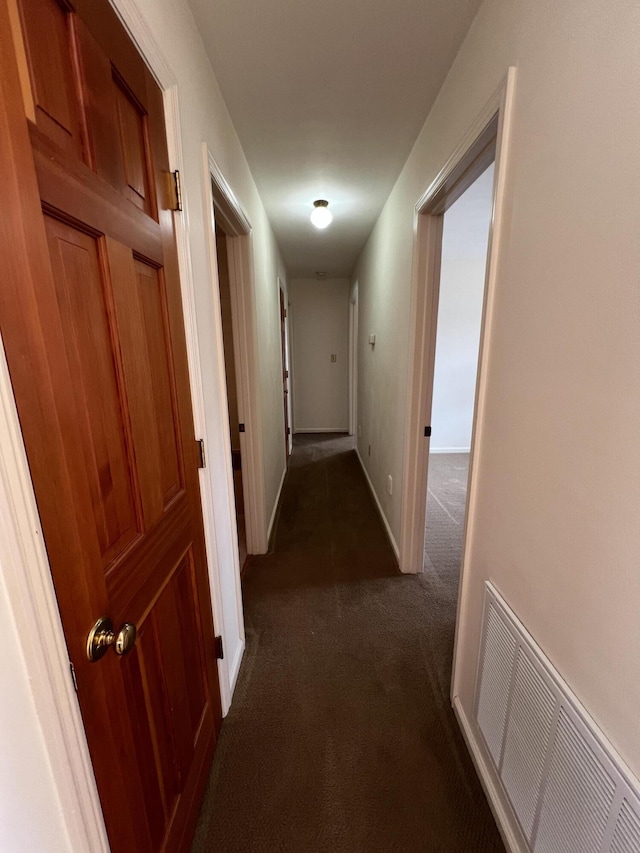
column 626, row 838
column 533, row 707
column 497, row 664
column 568, row 789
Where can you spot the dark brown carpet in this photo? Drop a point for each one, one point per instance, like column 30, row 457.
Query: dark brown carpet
column 341, row 738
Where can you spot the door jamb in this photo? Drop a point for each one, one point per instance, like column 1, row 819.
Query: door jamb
column 287, row 365
column 491, row 127
column 219, row 197
column 353, row 360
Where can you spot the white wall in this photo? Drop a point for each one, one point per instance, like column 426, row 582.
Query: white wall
column 320, row 323
column 36, row 824
column 558, row 479
column 30, row 811
column 464, row 256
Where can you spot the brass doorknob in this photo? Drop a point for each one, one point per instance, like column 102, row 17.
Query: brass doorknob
column 102, row 635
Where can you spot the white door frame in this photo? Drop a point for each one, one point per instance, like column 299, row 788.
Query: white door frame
column 353, row 360
column 23, row 559
column 287, row 360
column 488, row 136
column 222, row 204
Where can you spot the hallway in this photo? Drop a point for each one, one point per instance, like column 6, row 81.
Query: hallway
column 341, row 736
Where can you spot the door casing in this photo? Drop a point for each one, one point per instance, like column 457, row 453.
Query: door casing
column 219, row 197
column 486, row 140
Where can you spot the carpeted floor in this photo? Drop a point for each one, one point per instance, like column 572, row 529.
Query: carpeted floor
column 446, row 504
column 341, row 737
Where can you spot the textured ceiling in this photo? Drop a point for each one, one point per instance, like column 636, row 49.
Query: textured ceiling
column 327, row 99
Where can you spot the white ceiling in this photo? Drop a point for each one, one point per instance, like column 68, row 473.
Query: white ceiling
column 327, row 98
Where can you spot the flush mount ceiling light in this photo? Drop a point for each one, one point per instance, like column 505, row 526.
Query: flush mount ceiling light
column 321, row 216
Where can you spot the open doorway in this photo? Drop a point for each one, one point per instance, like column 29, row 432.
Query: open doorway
column 463, row 260
column 486, row 142
column 230, row 360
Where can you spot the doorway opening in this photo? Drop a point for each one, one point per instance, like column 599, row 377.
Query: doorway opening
column 463, row 259
column 228, row 219
column 485, row 143
column 231, row 377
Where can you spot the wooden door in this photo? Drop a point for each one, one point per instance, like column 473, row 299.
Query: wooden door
column 91, row 320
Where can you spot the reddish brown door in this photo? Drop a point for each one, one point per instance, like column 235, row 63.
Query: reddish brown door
column 90, row 315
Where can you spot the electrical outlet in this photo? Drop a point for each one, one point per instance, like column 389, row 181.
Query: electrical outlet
column 334, row 358
column 369, row 452
column 390, row 484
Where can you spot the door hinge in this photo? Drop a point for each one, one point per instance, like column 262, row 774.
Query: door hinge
column 202, row 460
column 240, row 427
column 72, row 669
column 219, row 648
column 427, row 432
column 176, row 190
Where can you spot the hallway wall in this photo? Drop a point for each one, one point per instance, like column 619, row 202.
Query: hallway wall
column 320, row 325
column 558, row 488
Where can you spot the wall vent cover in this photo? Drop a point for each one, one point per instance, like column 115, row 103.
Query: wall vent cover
column 569, row 790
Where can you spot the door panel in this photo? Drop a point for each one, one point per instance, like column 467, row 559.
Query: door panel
column 49, row 46
column 140, row 308
column 168, row 670
column 79, row 278
column 92, row 326
column 131, row 125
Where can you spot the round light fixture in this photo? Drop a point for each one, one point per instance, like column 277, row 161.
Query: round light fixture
column 321, row 216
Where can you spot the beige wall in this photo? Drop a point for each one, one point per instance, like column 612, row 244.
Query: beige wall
column 559, row 473
column 320, row 324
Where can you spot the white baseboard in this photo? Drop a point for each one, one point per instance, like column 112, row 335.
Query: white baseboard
column 505, row 819
column 392, row 539
column 344, row 430
column 275, row 505
column 449, row 450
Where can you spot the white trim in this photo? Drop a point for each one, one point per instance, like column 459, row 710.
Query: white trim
column 392, row 540
column 27, row 576
column 241, row 274
column 449, row 450
column 242, row 223
column 141, row 34
column 505, row 820
column 506, row 97
column 426, row 259
column 275, row 505
column 287, row 363
column 353, row 360
column 343, row 430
